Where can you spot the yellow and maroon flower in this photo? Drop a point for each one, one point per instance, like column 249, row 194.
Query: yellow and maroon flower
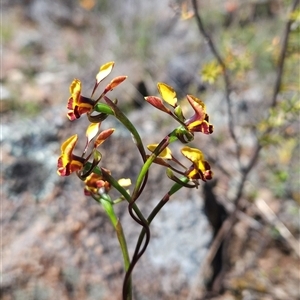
column 199, row 122
column 200, row 168
column 168, row 95
column 68, row 162
column 94, row 182
column 78, row 104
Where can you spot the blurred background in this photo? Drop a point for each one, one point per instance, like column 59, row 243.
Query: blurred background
column 56, row 242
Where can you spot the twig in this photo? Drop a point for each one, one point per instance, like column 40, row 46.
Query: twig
column 282, row 54
column 246, row 170
column 226, row 78
column 229, row 223
column 271, row 217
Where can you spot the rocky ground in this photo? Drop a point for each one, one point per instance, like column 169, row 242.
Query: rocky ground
column 57, row 243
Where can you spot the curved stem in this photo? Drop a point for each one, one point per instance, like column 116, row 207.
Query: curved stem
column 138, row 253
column 112, row 109
column 107, row 204
column 170, row 138
column 116, row 185
column 176, row 187
column 141, row 219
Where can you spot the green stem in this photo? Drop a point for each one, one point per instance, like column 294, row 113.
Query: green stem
column 176, row 187
column 137, row 253
column 107, row 204
column 124, row 193
column 104, row 108
column 112, row 109
column 162, row 145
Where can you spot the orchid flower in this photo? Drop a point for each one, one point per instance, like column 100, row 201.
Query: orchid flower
column 78, row 104
column 199, row 122
column 68, row 162
column 200, row 168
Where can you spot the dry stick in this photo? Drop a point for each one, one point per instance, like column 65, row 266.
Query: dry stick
column 272, row 219
column 282, row 54
column 229, row 223
column 226, row 78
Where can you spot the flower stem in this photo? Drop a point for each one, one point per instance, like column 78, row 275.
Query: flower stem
column 176, row 187
column 170, row 138
column 107, row 204
column 124, row 193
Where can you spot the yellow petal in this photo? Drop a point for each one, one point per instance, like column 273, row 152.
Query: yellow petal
column 104, row 71
column 92, row 131
column 193, row 154
column 165, row 154
column 68, row 146
column 167, row 93
column 124, row 182
column 75, row 89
